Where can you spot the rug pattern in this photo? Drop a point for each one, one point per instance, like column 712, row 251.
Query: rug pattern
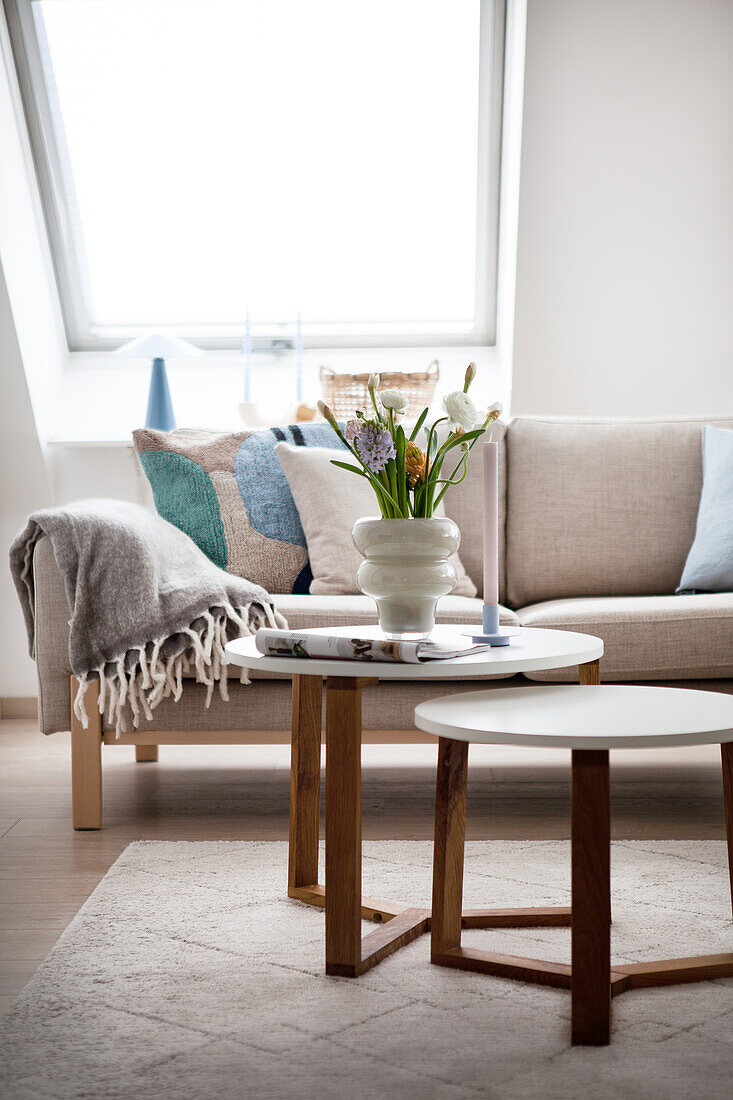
column 189, row 974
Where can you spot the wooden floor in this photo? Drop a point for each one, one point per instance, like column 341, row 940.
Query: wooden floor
column 47, row 871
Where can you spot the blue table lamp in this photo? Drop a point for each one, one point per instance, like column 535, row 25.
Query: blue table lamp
column 159, row 413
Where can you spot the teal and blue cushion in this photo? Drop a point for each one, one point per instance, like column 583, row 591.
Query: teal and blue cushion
column 228, row 492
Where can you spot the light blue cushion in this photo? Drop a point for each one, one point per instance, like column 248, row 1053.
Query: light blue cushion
column 709, row 565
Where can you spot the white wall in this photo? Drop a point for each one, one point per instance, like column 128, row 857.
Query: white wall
column 31, row 363
column 24, row 486
column 25, row 254
column 625, row 256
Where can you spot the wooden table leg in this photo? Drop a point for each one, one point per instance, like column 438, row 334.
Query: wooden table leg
column 590, row 673
column 726, row 754
column 450, row 836
column 347, row 954
column 591, row 898
column 305, row 782
column 343, row 826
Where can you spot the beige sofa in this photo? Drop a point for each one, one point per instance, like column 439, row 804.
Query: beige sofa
column 597, row 519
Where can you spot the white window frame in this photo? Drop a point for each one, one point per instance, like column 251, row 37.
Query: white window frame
column 69, row 267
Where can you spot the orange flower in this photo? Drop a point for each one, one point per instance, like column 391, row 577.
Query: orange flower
column 415, row 460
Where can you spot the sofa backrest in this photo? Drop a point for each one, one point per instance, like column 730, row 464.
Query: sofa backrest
column 602, row 507
column 464, row 505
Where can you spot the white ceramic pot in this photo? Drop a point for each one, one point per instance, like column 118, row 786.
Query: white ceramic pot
column 406, row 570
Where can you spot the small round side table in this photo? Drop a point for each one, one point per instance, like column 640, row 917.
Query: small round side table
column 347, row 955
column 589, row 721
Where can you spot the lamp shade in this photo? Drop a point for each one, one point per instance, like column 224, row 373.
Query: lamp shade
column 157, row 346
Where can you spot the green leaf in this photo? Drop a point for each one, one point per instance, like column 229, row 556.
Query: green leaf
column 465, row 438
column 401, row 474
column 346, row 466
column 432, row 445
column 418, row 425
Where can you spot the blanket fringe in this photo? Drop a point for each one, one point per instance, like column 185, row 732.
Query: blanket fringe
column 136, row 683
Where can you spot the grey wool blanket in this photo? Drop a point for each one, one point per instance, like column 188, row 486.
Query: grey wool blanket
column 147, row 606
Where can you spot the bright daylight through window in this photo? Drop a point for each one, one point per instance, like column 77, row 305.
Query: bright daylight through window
column 199, row 158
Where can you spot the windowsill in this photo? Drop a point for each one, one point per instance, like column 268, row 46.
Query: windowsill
column 104, row 397
column 89, row 443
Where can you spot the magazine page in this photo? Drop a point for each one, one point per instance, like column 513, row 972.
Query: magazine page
column 304, row 643
column 296, row 643
column 445, row 651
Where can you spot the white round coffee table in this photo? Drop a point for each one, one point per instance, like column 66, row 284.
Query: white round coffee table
column 589, row 721
column 347, row 955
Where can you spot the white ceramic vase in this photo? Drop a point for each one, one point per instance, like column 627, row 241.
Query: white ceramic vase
column 406, row 570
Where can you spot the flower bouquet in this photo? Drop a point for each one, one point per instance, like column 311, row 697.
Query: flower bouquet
column 408, row 551
column 408, row 478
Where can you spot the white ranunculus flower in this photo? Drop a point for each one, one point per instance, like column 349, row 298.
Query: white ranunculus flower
column 393, row 399
column 461, row 411
column 373, row 382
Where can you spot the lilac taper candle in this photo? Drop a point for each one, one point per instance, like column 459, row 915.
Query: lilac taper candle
column 247, row 356
column 491, row 523
column 299, row 347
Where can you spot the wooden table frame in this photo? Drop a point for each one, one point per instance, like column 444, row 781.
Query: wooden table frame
column 590, row 977
column 349, row 955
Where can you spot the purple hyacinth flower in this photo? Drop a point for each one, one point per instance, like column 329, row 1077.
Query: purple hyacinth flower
column 352, row 429
column 375, row 447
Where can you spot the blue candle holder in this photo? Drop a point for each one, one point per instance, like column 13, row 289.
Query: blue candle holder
column 491, row 633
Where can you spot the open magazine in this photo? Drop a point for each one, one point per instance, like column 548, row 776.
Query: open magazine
column 303, row 643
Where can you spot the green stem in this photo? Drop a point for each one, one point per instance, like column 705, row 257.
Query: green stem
column 373, row 395
column 449, row 481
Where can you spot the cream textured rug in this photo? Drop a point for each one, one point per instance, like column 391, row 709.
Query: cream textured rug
column 188, row 975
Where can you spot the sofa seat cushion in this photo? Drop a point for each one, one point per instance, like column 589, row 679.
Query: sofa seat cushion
column 647, row 637
column 310, row 612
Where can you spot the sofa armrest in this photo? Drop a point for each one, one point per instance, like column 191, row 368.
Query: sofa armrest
column 52, row 641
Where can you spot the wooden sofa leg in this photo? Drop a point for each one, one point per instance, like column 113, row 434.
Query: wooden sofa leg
column 145, row 754
column 86, row 762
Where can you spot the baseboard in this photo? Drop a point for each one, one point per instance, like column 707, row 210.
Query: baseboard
column 18, row 706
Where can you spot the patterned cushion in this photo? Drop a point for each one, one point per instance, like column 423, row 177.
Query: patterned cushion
column 229, row 493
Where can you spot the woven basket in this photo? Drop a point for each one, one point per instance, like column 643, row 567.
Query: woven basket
column 345, row 393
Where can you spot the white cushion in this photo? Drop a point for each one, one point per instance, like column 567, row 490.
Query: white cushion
column 308, row 612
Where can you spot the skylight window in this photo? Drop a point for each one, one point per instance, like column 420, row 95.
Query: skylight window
column 202, row 158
